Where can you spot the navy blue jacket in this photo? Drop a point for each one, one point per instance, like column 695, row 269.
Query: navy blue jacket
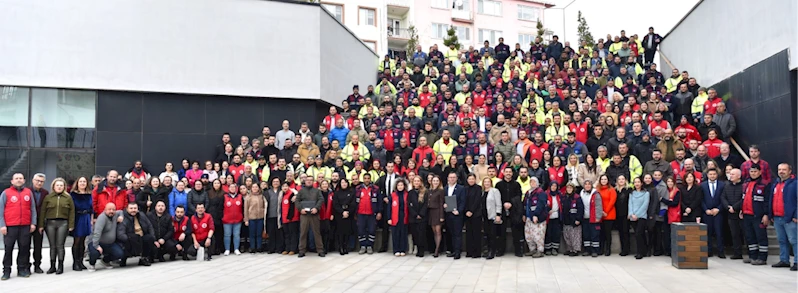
column 459, row 193
column 790, row 195
column 573, row 209
column 760, row 197
column 535, row 205
column 710, row 202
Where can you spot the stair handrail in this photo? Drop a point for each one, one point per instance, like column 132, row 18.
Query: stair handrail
column 731, row 139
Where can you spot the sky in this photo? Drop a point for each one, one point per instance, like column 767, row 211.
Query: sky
column 612, row 16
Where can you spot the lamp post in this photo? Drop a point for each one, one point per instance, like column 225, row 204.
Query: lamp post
column 564, row 34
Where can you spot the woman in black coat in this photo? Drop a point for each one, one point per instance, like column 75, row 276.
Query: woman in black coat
column 473, row 217
column 417, row 215
column 691, row 198
column 216, row 210
column 152, row 193
column 622, row 211
column 344, row 210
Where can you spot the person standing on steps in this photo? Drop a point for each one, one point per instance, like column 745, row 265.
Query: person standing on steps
column 17, row 221
column 57, row 219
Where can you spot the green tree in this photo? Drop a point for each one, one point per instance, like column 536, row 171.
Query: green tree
column 413, row 41
column 452, row 38
column 541, row 30
column 584, row 30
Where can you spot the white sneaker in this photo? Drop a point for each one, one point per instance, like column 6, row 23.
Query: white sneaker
column 397, row 254
column 91, row 268
column 106, row 265
column 226, row 252
column 237, row 252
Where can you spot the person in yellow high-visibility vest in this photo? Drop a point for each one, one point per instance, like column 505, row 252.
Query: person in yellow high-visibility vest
column 445, row 146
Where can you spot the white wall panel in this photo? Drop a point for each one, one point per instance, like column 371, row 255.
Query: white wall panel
column 240, row 47
column 340, row 69
column 723, row 37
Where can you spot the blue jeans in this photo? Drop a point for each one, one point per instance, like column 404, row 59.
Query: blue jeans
column 366, row 226
column 111, row 252
column 787, row 233
column 255, row 231
column 235, row 230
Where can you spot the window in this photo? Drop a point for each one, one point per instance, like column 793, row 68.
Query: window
column 528, row 13
column 371, row 44
column 443, row 4
column 63, row 118
column 462, row 5
column 489, row 7
column 13, row 118
column 336, row 10
column 367, row 16
column 439, row 30
column 525, row 39
column 489, row 35
column 463, row 34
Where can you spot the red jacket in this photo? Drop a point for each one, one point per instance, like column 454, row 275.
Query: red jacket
column 420, row 153
column 690, row 130
column 711, row 105
column 236, row 171
column 288, row 211
column 329, row 121
column 19, row 207
column 104, row 194
column 233, row 209
column 183, row 226
column 395, row 203
column 202, row 226
column 713, row 147
column 423, row 100
column 580, row 130
column 327, row 206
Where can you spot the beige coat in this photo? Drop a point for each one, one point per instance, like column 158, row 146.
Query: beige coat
column 583, row 174
column 254, row 207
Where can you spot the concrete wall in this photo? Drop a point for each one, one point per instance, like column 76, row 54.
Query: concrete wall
column 720, row 38
column 339, row 69
column 237, row 48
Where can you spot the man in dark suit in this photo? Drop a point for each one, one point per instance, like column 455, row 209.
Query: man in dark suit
column 387, row 184
column 454, row 219
column 712, row 205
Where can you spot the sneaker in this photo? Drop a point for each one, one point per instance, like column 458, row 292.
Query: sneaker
column 781, row 264
column 291, row 253
column 226, row 252
column 284, row 253
column 757, row 262
column 369, row 250
column 396, row 254
column 794, row 267
column 529, row 253
column 747, row 260
column 24, row 273
column 554, row 252
column 237, row 252
column 91, row 268
column 6, row 276
column 362, row 250
column 106, row 265
column 402, row 254
column 594, row 254
column 537, row 254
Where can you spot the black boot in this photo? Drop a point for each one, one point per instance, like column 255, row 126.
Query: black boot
column 38, row 269
column 75, row 266
column 60, row 269
column 52, row 267
column 491, row 255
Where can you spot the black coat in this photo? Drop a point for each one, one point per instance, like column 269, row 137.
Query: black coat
column 613, row 171
column 162, row 225
column 216, row 205
column 691, row 199
column 162, row 194
column 127, row 227
column 417, row 211
column 344, row 200
column 622, row 202
column 474, row 201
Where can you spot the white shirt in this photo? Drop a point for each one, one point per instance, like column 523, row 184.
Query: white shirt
column 586, row 195
column 451, row 190
column 389, row 183
column 712, row 188
column 555, row 206
column 483, row 150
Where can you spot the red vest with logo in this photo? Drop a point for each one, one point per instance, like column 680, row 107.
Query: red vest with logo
column 202, row 226
column 233, row 209
column 580, row 130
column 778, row 200
column 395, row 208
column 181, row 227
column 287, row 214
column 327, row 207
column 17, row 207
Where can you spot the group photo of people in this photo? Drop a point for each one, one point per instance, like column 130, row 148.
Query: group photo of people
column 552, row 151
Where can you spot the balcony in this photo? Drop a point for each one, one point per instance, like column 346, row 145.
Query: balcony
column 398, row 7
column 398, row 38
column 463, row 15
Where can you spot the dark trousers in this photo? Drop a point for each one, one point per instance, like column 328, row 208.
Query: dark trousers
column 591, row 236
column 501, row 235
column 653, row 239
column 623, row 233
column 310, row 223
column 291, row 236
column 326, row 234
column 78, row 249
column 606, row 235
column 756, row 236
column 419, row 232
column 399, row 238
column 665, row 235
column 218, row 238
column 640, row 236
column 113, row 251
column 169, row 246
column 553, row 235
column 454, row 224
column 139, row 245
column 649, row 56
column 36, row 239
column 490, row 229
column 56, row 230
column 518, row 237
column 714, row 228
column 737, row 233
column 188, row 247
column 275, row 242
column 256, row 233
column 17, row 235
column 366, row 226
column 473, row 236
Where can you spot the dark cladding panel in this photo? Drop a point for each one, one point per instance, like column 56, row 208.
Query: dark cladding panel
column 174, row 113
column 118, row 148
column 160, row 148
column 238, row 116
column 118, row 111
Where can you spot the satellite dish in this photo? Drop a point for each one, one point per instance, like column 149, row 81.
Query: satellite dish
column 458, row 3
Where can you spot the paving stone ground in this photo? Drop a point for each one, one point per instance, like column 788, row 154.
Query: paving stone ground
column 387, row 273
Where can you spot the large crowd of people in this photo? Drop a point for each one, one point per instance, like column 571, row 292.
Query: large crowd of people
column 557, row 146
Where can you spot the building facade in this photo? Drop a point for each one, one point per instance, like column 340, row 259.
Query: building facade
column 163, row 81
